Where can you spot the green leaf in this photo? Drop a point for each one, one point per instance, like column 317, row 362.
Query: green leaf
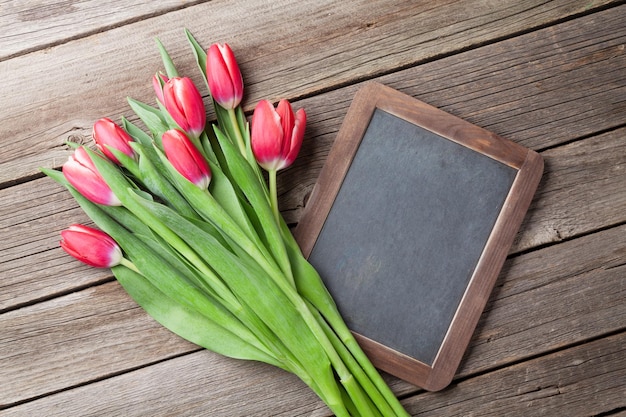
column 55, row 175
column 136, row 133
column 187, row 323
column 210, row 209
column 151, row 169
column 128, row 220
column 207, row 149
column 223, row 121
column 225, row 194
column 126, row 161
column 170, row 68
column 73, row 145
column 151, row 117
column 198, row 53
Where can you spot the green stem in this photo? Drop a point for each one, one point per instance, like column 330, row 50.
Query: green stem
column 274, row 195
column 368, row 386
column 346, row 378
column 182, row 247
column 214, row 212
column 235, row 128
column 339, row 326
column 128, row 264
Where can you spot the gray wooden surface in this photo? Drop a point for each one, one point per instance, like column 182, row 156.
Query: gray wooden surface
column 549, row 75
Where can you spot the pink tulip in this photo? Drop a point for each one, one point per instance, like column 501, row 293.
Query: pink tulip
column 184, row 103
column 186, row 158
column 91, row 246
column 277, row 134
column 158, row 81
column 81, row 172
column 107, row 134
column 223, row 76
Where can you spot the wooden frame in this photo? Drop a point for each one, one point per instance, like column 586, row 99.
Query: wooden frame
column 528, row 166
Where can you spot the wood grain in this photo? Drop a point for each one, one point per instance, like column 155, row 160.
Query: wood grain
column 549, row 385
column 337, row 43
column 31, row 260
column 31, row 25
column 92, row 334
column 568, row 202
column 267, row 391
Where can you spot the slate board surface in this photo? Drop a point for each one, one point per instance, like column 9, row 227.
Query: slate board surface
column 420, row 210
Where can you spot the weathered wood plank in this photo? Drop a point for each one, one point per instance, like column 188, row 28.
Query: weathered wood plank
column 568, row 292
column 90, row 334
column 29, row 25
column 568, row 201
column 580, row 381
column 32, row 266
column 562, row 82
column 213, row 386
column 336, row 44
column 540, row 293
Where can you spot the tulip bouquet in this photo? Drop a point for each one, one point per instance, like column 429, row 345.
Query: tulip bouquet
column 192, row 231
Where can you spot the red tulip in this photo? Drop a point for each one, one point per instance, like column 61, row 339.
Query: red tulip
column 107, row 134
column 158, row 81
column 81, row 172
column 223, row 76
column 184, row 103
column 186, row 158
column 91, row 246
column 277, row 134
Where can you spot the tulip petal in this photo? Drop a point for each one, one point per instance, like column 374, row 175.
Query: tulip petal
column 287, row 119
column 80, row 171
column 267, row 135
column 106, row 133
column 223, row 76
column 297, row 137
column 277, row 134
column 186, row 158
column 184, row 103
column 91, row 246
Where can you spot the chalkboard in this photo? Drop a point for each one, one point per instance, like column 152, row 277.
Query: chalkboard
column 409, row 225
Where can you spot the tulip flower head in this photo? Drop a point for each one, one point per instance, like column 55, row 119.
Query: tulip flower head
column 91, row 246
column 223, row 76
column 107, row 135
column 81, row 172
column 185, row 157
column 158, row 81
column 277, row 134
column 184, row 103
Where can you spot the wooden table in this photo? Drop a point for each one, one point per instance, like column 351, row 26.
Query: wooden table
column 548, row 75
